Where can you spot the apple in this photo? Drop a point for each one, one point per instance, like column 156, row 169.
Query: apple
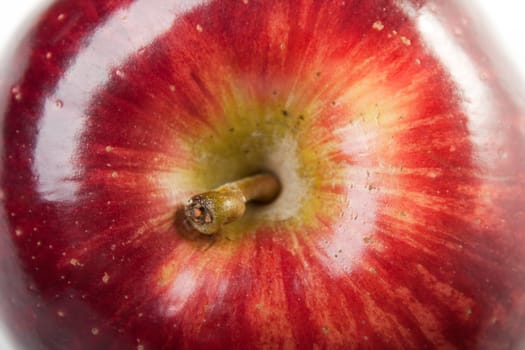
column 385, row 138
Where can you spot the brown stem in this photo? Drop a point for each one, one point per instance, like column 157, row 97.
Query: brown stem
column 209, row 211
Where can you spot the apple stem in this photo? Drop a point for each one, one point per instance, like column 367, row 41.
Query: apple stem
column 209, row 211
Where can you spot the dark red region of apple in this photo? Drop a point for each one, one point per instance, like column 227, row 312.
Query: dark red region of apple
column 108, row 90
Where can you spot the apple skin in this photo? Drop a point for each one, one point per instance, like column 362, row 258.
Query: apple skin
column 410, row 232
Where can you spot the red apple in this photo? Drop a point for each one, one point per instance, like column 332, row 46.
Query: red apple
column 394, row 129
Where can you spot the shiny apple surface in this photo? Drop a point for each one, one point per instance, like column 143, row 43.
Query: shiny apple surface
column 398, row 141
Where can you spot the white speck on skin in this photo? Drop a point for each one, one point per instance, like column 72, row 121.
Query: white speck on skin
column 114, row 174
column 18, row 232
column 140, row 347
column 61, row 17
column 16, row 93
column 406, row 41
column 105, row 278
column 199, row 28
column 378, row 25
column 61, row 313
column 109, row 148
column 49, row 55
column 75, row 262
column 418, row 61
column 59, row 103
column 94, row 331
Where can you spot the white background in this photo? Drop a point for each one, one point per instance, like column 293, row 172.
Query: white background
column 505, row 17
